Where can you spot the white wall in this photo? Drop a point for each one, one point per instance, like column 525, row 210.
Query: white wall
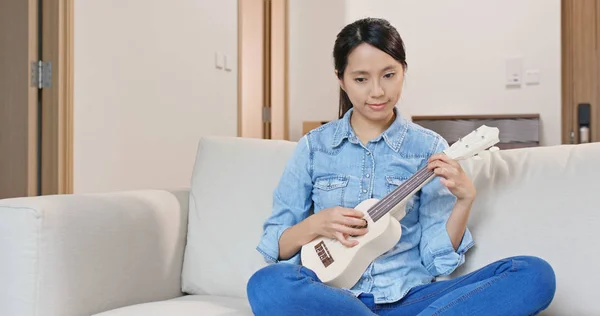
column 456, row 52
column 146, row 89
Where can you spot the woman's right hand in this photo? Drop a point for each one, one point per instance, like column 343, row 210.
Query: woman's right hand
column 337, row 222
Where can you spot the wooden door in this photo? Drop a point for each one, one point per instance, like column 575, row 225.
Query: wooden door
column 35, row 121
column 18, row 99
column 263, row 80
column 580, row 67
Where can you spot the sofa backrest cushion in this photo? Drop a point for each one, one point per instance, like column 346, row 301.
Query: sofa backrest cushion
column 230, row 198
column 545, row 202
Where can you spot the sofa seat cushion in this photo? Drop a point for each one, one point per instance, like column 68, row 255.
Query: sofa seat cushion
column 189, row 305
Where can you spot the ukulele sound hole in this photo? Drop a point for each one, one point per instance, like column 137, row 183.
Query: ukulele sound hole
column 324, row 254
column 363, row 226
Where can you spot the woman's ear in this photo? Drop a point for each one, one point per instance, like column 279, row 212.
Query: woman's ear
column 340, row 80
column 342, row 85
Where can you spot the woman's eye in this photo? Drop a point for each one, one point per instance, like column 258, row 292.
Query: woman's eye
column 390, row 75
column 359, row 80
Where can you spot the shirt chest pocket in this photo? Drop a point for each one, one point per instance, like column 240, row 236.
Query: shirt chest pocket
column 393, row 182
column 329, row 191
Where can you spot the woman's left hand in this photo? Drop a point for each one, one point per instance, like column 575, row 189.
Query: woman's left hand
column 452, row 176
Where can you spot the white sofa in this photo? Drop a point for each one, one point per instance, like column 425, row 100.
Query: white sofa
column 142, row 253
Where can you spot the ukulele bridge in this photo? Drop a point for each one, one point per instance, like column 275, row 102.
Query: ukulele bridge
column 324, row 254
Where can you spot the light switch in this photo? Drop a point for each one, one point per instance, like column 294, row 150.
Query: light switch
column 218, row 60
column 513, row 71
column 532, row 77
column 227, row 68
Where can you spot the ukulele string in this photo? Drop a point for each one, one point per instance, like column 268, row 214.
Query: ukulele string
column 383, row 206
column 379, row 208
column 388, row 202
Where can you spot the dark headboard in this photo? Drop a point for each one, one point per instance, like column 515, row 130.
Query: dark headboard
column 516, row 131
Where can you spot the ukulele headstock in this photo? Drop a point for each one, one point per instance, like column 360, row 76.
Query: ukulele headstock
column 475, row 142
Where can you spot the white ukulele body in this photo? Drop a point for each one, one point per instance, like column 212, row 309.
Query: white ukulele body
column 341, row 266
column 347, row 264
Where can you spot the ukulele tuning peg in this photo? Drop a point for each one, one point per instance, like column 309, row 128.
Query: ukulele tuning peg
column 477, row 158
column 494, row 149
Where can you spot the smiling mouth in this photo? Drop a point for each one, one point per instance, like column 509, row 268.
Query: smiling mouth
column 377, row 105
column 382, row 103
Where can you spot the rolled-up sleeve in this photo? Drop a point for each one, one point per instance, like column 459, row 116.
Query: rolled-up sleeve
column 292, row 202
column 436, row 204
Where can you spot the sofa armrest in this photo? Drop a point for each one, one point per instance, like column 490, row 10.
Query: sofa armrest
column 87, row 253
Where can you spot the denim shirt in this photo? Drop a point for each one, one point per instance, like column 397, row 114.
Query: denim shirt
column 331, row 167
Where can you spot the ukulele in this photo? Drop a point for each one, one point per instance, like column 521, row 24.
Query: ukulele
column 341, row 266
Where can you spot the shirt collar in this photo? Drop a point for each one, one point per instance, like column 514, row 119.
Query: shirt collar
column 393, row 136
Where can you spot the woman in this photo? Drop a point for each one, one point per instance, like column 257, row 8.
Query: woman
column 364, row 154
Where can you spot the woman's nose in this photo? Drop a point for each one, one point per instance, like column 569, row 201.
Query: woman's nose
column 377, row 90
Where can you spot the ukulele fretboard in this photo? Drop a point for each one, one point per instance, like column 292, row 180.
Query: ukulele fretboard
column 388, row 202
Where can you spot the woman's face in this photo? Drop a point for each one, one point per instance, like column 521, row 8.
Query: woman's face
column 373, row 81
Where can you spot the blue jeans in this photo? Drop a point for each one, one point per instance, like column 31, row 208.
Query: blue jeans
column 512, row 286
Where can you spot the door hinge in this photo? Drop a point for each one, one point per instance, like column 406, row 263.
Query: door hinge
column 41, row 74
column 266, row 115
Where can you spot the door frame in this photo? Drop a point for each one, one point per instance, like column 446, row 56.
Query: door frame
column 579, row 66
column 56, row 117
column 57, row 101
column 279, row 69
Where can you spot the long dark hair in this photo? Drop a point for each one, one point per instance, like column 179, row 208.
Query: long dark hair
column 376, row 32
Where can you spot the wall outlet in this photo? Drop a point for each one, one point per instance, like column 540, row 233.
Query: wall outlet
column 513, row 71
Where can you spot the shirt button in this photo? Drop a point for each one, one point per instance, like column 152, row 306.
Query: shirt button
column 368, row 175
column 368, row 153
column 364, row 191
